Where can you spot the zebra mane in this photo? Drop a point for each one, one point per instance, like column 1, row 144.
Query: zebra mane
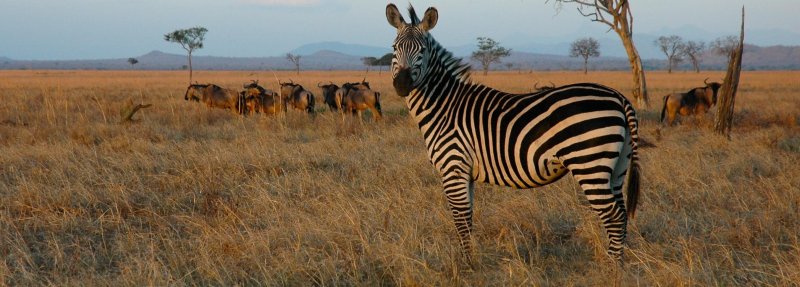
column 453, row 66
column 413, row 14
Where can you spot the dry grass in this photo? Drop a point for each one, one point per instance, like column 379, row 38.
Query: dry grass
column 190, row 196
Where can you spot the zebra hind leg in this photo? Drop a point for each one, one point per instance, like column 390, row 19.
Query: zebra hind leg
column 605, row 198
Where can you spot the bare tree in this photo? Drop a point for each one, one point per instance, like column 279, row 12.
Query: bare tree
column 489, row 51
column 724, row 120
column 585, row 48
column 724, row 46
column 617, row 15
column 132, row 61
column 671, row 46
column 693, row 50
column 190, row 39
column 295, row 59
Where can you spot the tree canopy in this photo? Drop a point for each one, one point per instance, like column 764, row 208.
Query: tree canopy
column 489, row 51
column 585, row 48
column 189, row 39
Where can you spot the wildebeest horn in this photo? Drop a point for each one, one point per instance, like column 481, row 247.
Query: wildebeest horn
column 705, row 81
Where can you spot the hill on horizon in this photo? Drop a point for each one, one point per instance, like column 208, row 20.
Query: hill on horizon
column 337, row 56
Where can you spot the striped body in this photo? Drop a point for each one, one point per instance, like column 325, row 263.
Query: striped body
column 520, row 141
column 475, row 133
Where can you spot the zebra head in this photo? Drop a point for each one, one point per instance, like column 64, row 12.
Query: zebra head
column 411, row 47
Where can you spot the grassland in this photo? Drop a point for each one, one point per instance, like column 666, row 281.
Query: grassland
column 191, row 196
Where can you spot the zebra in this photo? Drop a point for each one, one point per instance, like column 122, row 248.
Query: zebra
column 475, row 133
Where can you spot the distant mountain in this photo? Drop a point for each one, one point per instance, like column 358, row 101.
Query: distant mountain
column 755, row 58
column 157, row 60
column 344, row 48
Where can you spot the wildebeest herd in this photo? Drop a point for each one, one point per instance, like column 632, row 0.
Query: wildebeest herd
column 350, row 98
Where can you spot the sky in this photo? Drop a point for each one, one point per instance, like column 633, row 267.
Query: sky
column 100, row 29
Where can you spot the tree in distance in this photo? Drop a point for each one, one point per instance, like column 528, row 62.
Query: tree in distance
column 190, row 40
column 693, row 50
column 585, row 48
column 724, row 46
column 132, row 61
column 672, row 47
column 489, row 51
column 295, row 59
column 369, row 62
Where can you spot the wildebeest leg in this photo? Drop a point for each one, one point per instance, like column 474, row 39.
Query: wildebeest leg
column 376, row 116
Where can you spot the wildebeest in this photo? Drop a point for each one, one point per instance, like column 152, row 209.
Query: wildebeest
column 357, row 97
column 329, row 96
column 215, row 97
column 543, row 87
column 696, row 101
column 260, row 100
column 297, row 97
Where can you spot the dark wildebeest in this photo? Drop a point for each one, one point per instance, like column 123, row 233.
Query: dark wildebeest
column 358, row 97
column 260, row 100
column 297, row 97
column 544, row 87
column 215, row 97
column 329, row 96
column 696, row 101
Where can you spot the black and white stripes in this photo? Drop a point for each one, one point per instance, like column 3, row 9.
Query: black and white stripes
column 475, row 133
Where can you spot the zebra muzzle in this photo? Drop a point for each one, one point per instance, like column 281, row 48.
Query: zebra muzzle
column 402, row 82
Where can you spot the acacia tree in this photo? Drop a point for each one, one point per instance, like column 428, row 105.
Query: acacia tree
column 295, row 59
column 369, row 62
column 190, row 40
column 585, row 48
column 724, row 46
column 489, row 51
column 671, row 46
column 132, row 61
column 617, row 15
column 385, row 60
column 693, row 50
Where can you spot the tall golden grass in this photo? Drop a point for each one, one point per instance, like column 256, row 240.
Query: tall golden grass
column 192, row 196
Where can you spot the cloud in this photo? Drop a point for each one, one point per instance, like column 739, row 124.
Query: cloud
column 281, row 2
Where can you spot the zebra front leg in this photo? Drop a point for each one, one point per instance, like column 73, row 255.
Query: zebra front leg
column 459, row 192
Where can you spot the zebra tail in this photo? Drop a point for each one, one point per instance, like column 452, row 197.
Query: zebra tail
column 664, row 109
column 634, row 171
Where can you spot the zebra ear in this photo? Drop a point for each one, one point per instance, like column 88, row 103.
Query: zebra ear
column 394, row 17
column 430, row 19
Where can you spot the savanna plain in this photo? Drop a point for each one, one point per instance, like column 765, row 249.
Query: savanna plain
column 193, row 196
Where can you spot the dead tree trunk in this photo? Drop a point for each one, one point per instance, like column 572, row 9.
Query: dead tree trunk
column 724, row 120
column 129, row 109
column 617, row 15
